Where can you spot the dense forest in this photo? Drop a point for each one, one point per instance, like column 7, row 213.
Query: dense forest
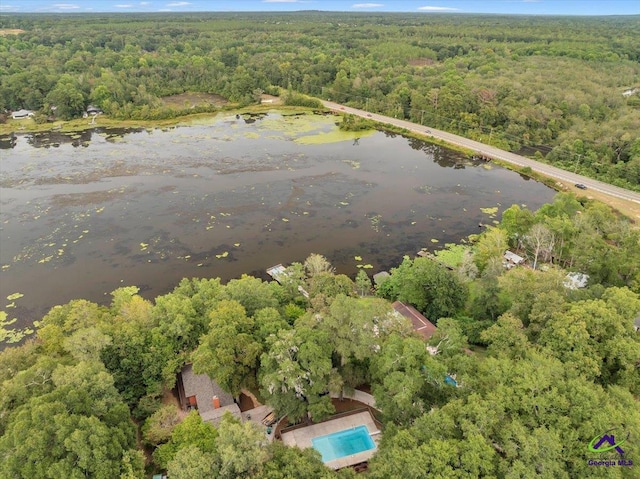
column 550, row 367
column 566, row 89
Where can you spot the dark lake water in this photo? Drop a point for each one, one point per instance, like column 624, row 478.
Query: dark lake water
column 83, row 214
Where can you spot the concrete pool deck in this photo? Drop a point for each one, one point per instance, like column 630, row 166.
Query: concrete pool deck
column 302, row 437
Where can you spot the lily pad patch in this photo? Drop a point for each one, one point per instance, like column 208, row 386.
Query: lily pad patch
column 490, row 211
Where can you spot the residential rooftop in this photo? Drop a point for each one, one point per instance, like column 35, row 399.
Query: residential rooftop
column 210, row 399
column 421, row 325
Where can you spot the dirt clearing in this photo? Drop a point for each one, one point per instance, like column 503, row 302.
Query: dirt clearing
column 10, row 31
column 192, row 100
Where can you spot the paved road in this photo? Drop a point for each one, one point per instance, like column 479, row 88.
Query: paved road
column 492, row 152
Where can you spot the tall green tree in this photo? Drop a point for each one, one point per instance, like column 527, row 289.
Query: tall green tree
column 363, row 283
column 516, row 222
column 158, row 427
column 130, row 356
column 241, row 448
column 297, row 374
column 359, row 326
column 522, row 289
column 316, row 263
column 491, row 245
column 192, row 463
column 596, row 338
column 252, row 293
column 430, row 287
column 229, row 352
column 80, row 428
column 293, row 463
column 402, row 374
column 507, row 336
column 68, row 98
column 191, row 432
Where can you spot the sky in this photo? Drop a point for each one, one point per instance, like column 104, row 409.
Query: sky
column 531, row 7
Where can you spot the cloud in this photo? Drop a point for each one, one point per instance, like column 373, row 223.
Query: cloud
column 9, row 7
column 123, row 6
column 367, row 5
column 65, row 6
column 178, row 4
column 430, row 8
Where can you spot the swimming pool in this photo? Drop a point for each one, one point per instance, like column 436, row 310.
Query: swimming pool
column 343, row 443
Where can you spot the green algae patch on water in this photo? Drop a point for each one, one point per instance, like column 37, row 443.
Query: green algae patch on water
column 490, row 211
column 294, row 125
column 334, row 136
column 12, row 335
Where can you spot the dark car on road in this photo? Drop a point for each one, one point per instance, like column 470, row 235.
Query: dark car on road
column 581, row 186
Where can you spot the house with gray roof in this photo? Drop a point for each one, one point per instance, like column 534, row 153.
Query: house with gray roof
column 510, row 259
column 198, row 391
column 94, row 110
column 22, row 114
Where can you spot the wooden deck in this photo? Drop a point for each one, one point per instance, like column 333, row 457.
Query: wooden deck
column 277, row 272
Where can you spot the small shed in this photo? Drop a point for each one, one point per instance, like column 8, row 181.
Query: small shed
column 421, row 325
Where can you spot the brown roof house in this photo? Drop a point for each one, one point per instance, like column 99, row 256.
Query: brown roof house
column 421, row 325
column 198, row 391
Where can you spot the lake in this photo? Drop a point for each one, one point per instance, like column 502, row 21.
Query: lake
column 82, row 214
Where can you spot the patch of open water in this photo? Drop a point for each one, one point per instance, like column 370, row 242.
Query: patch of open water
column 86, row 213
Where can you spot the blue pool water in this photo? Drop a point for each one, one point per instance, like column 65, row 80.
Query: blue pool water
column 343, row 443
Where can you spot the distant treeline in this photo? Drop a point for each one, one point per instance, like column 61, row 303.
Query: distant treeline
column 554, row 83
